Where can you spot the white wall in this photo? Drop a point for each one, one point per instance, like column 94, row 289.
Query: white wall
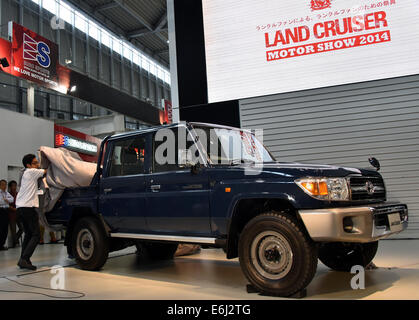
column 21, row 134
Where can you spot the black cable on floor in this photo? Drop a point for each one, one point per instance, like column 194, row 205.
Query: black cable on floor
column 80, row 294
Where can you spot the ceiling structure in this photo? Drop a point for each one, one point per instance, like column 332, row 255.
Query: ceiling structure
column 141, row 22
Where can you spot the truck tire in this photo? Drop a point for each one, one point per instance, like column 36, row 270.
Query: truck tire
column 276, row 255
column 90, row 244
column 157, row 250
column 341, row 256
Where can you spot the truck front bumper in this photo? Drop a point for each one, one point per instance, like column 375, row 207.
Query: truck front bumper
column 355, row 224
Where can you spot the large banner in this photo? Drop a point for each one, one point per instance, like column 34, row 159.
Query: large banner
column 255, row 48
column 34, row 58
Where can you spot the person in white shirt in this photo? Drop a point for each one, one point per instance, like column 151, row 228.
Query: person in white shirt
column 5, row 200
column 26, row 203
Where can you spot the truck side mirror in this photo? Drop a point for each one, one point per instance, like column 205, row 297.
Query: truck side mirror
column 375, row 163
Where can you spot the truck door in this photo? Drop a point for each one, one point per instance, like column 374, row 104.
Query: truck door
column 177, row 199
column 122, row 187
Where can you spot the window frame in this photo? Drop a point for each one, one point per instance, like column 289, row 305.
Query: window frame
column 153, row 149
column 110, row 152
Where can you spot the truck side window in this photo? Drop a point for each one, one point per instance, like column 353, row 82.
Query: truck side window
column 128, row 157
column 168, row 150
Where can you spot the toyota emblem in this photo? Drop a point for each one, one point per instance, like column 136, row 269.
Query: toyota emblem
column 370, row 187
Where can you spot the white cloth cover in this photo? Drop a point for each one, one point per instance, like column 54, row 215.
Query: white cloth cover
column 65, row 169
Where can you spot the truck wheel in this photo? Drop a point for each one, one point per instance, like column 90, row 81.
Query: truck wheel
column 341, row 256
column 157, row 250
column 276, row 255
column 90, row 244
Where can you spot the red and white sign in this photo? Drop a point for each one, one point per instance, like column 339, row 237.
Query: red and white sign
column 86, row 146
column 256, row 48
column 320, row 4
column 34, row 58
column 326, row 30
column 166, row 116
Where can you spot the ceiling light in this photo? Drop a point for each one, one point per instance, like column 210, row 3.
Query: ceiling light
column 62, row 89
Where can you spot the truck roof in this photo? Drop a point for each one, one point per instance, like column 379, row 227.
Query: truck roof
column 173, row 125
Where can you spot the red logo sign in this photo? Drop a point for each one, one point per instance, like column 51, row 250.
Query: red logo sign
column 59, row 140
column 320, row 4
column 34, row 58
column 36, row 51
column 166, row 116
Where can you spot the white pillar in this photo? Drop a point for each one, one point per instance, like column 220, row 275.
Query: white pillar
column 31, row 100
column 173, row 60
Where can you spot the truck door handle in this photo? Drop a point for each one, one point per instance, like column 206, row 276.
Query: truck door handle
column 155, row 188
column 107, row 190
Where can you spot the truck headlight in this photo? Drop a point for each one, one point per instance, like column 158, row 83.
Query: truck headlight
column 332, row 189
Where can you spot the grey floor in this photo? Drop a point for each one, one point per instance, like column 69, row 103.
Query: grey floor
column 207, row 275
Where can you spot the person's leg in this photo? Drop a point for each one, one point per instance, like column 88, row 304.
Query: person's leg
column 4, row 227
column 20, row 225
column 26, row 228
column 32, row 225
column 12, row 223
column 53, row 238
column 42, row 232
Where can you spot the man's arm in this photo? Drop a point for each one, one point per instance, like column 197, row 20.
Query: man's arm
column 38, row 173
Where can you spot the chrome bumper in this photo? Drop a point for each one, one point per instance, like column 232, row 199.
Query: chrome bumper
column 370, row 223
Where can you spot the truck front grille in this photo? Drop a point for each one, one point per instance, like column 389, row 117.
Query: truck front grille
column 367, row 188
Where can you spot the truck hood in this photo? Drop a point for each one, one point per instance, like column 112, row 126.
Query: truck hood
column 310, row 170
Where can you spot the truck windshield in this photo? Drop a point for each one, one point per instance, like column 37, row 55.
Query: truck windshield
column 232, row 146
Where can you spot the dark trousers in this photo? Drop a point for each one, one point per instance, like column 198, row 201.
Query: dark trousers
column 15, row 222
column 30, row 221
column 4, row 225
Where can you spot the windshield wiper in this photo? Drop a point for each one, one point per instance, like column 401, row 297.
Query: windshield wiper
column 236, row 162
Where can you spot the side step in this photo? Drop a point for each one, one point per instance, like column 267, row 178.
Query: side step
column 156, row 237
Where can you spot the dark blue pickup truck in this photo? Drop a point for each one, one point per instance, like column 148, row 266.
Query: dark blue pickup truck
column 221, row 188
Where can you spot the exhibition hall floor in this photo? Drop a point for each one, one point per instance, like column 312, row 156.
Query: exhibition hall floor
column 207, row 275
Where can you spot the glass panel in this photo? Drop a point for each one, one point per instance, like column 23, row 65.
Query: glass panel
column 106, row 39
column 116, row 45
column 160, row 73
column 170, row 154
column 94, row 31
column 127, row 53
column 136, row 58
column 80, row 23
column 50, row 5
column 153, row 68
column 233, row 146
column 66, row 13
column 84, row 24
column 145, row 64
column 128, row 157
